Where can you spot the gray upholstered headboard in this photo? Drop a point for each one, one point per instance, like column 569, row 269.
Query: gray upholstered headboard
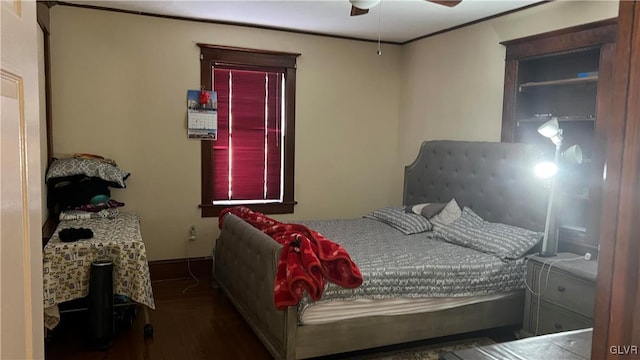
column 496, row 180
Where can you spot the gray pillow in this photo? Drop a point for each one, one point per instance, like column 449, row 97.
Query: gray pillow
column 504, row 241
column 450, row 213
column 396, row 217
column 427, row 210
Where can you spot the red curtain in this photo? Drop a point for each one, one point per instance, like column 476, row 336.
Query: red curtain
column 248, row 135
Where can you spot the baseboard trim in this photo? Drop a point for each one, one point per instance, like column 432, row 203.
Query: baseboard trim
column 178, row 269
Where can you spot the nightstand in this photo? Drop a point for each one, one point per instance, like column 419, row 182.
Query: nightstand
column 567, row 298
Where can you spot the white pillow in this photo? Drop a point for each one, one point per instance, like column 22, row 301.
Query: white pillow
column 449, row 214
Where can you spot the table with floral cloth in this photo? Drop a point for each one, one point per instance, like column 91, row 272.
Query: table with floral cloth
column 67, row 265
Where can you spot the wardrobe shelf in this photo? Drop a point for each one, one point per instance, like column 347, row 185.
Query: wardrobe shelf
column 570, row 81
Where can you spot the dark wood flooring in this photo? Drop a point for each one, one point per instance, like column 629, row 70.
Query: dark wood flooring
column 201, row 324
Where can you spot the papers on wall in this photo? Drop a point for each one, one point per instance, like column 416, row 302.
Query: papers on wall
column 202, row 115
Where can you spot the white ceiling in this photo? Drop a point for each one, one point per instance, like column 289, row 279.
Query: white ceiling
column 400, row 20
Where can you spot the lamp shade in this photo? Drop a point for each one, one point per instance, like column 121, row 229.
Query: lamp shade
column 573, row 155
column 550, row 128
column 364, row 4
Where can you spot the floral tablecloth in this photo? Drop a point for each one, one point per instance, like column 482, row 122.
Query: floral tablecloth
column 67, row 265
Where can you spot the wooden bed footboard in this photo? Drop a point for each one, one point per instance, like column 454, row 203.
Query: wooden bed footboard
column 245, row 267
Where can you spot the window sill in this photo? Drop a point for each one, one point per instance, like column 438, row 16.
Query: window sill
column 209, row 210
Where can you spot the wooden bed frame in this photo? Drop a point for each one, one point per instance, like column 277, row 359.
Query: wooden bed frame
column 494, row 179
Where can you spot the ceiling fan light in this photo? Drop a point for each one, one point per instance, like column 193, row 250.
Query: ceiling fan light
column 364, row 4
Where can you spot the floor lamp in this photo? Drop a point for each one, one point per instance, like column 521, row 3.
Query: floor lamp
column 551, row 130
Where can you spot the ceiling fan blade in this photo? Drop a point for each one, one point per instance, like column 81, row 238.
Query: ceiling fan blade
column 357, row 11
column 449, row 3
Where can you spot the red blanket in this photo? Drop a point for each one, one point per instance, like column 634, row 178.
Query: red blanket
column 307, row 258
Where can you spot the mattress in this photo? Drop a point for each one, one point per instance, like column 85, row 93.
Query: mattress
column 395, row 265
column 329, row 311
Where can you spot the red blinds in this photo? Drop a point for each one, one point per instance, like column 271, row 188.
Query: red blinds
column 247, row 154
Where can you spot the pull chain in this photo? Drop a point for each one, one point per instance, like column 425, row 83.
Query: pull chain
column 379, row 27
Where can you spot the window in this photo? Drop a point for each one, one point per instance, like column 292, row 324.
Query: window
column 251, row 162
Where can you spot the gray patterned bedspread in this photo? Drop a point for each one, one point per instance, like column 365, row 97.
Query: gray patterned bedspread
column 411, row 266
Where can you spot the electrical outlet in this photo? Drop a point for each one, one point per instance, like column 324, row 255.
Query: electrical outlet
column 192, row 233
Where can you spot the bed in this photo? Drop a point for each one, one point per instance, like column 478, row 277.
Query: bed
column 66, row 265
column 495, row 180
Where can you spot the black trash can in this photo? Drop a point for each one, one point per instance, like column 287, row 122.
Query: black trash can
column 101, row 322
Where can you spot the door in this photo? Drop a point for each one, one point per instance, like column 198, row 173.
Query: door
column 21, row 317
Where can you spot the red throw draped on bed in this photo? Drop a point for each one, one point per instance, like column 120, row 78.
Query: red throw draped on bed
column 306, row 260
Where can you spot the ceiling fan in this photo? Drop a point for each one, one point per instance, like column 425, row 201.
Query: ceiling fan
column 361, row 7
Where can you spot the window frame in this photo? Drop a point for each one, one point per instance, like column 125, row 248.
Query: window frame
column 210, row 55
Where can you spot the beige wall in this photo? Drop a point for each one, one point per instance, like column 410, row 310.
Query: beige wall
column 119, row 83
column 452, row 84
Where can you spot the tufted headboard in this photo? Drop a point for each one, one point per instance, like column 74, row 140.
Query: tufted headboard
column 496, row 180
